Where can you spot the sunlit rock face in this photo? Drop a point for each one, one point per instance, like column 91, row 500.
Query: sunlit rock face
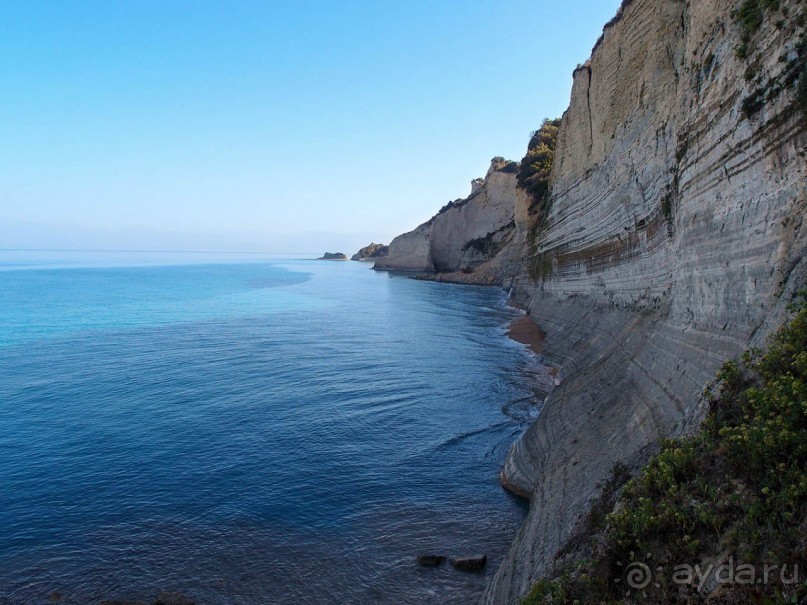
column 464, row 234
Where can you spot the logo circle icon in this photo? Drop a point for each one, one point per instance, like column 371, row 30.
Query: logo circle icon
column 638, row 575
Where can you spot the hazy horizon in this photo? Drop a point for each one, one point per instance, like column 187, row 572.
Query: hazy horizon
column 251, row 126
column 45, row 237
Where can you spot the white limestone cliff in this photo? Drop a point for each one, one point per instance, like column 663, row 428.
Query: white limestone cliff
column 675, row 240
column 465, row 233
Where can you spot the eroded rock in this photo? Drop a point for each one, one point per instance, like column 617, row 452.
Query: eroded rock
column 430, row 560
column 470, row 563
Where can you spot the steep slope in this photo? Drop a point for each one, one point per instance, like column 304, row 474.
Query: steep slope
column 674, row 239
column 464, row 234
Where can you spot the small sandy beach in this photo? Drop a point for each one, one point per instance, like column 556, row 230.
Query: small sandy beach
column 527, row 332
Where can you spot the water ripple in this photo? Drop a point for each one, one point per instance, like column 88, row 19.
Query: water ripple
column 253, row 433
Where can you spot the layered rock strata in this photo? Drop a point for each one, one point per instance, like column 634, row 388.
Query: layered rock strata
column 675, row 239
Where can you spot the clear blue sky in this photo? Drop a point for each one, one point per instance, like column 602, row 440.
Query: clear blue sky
column 238, row 124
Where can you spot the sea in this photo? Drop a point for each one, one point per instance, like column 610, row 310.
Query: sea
column 251, row 429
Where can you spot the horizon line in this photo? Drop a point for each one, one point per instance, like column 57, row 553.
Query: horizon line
column 147, row 251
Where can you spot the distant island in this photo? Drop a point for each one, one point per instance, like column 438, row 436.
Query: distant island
column 371, row 252
column 333, row 256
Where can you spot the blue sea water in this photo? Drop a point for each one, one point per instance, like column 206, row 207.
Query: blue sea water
column 249, row 430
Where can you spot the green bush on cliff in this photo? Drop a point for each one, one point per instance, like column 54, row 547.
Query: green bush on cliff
column 737, row 489
column 534, row 176
column 536, row 167
column 802, row 90
column 750, row 17
column 489, row 245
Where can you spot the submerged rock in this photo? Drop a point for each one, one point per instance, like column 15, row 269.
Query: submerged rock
column 173, row 598
column 164, row 598
column 472, row 563
column 430, row 560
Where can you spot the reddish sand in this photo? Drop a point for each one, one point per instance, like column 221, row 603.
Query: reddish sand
column 527, row 332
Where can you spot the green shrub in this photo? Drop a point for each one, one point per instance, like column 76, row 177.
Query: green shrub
column 534, row 176
column 737, row 487
column 754, row 103
column 667, row 207
column 489, row 244
column 750, row 17
column 536, row 167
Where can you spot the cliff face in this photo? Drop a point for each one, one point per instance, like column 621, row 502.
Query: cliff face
column 674, row 240
column 466, row 233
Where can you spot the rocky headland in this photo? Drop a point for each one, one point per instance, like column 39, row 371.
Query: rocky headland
column 371, row 252
column 466, row 233
column 666, row 237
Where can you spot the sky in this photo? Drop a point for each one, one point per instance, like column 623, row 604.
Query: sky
column 267, row 126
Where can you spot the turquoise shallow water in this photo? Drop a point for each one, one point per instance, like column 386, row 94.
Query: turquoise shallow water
column 251, row 431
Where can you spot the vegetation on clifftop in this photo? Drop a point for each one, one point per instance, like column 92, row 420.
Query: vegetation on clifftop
column 732, row 499
column 497, row 164
column 501, row 164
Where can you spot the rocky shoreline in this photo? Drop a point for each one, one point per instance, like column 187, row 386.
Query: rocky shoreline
column 460, row 278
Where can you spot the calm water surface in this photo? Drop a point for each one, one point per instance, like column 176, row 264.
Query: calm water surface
column 251, row 431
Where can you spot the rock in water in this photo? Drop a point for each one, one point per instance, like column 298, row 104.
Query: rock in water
column 333, row 256
column 472, row 563
column 431, row 560
column 173, row 598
